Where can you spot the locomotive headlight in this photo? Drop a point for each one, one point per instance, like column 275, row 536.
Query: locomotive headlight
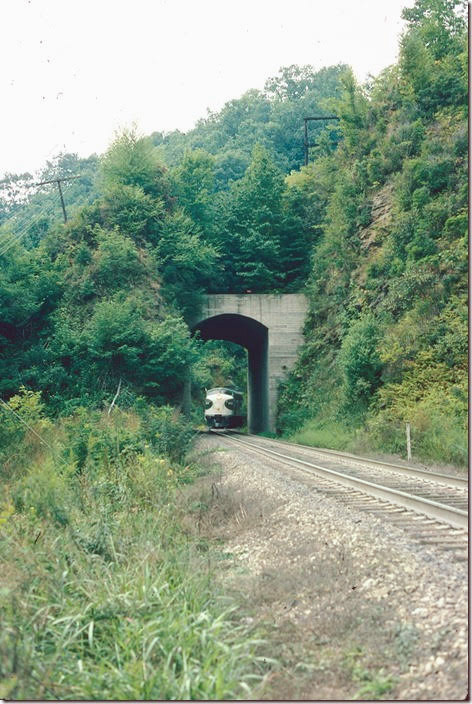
column 229, row 403
column 208, row 403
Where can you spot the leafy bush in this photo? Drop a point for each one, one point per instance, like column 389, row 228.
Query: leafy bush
column 103, row 593
column 22, row 427
column 44, row 492
column 360, row 363
column 136, row 214
column 324, row 432
column 432, row 397
column 117, row 262
column 95, row 440
column 167, row 430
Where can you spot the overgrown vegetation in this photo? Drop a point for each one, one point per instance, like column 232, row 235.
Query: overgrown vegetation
column 386, row 336
column 104, row 595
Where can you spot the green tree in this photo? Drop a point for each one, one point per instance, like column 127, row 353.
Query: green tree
column 117, row 263
column 186, row 263
column 252, row 233
column 433, row 55
column 360, row 363
column 132, row 161
column 439, row 23
column 195, row 186
column 136, row 213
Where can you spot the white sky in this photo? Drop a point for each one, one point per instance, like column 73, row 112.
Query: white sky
column 74, row 71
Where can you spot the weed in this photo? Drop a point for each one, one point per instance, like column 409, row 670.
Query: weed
column 104, row 594
column 374, row 683
column 406, row 638
column 435, row 436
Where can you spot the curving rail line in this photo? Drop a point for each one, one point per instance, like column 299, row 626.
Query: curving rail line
column 451, row 509
column 346, row 457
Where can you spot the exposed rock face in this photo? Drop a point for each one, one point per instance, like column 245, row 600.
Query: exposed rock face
column 381, row 211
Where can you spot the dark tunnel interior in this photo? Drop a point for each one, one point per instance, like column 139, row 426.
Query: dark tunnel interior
column 254, row 337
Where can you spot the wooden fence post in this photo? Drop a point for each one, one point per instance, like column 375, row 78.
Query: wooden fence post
column 408, row 442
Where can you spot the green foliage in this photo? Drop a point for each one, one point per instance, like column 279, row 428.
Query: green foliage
column 31, row 211
column 352, row 107
column 117, row 262
column 43, row 493
column 388, row 284
column 253, row 227
column 23, row 428
column 432, row 396
column 102, row 300
column 154, row 356
column 220, row 363
column 374, row 684
column 136, row 214
column 440, row 23
column 433, row 54
column 195, row 185
column 186, row 262
column 167, row 431
column 103, row 593
column 321, row 432
column 132, row 161
column 272, row 118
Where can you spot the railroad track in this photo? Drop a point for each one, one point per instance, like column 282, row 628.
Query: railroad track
column 427, row 505
column 346, row 457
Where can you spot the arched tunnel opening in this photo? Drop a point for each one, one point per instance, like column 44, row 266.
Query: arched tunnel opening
column 254, row 336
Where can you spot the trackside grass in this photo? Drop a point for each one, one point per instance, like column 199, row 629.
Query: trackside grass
column 440, row 439
column 103, row 594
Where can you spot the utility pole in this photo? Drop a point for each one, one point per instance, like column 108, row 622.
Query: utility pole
column 307, row 120
column 59, row 181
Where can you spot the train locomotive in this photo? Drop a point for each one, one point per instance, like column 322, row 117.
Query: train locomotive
column 223, row 408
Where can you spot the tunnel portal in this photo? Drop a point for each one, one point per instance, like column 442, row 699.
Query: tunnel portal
column 252, row 335
column 270, row 327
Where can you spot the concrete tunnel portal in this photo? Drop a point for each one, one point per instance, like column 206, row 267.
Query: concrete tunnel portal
column 270, row 327
column 254, row 336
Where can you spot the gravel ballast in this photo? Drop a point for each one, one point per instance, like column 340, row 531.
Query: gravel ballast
column 353, row 606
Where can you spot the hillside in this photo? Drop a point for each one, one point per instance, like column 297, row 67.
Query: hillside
column 386, row 337
column 373, row 229
column 272, row 118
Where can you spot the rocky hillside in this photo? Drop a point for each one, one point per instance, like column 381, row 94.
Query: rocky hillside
column 386, row 338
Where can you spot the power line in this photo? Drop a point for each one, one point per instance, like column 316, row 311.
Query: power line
column 16, row 237
column 7, row 405
column 59, row 181
column 28, row 185
column 54, row 452
column 23, row 219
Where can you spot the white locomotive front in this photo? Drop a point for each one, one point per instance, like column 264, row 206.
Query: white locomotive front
column 223, row 408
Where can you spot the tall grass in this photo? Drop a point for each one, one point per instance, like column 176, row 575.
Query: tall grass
column 103, row 595
column 435, row 438
column 318, row 433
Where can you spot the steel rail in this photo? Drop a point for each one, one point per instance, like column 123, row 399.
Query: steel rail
column 433, row 509
column 447, row 479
